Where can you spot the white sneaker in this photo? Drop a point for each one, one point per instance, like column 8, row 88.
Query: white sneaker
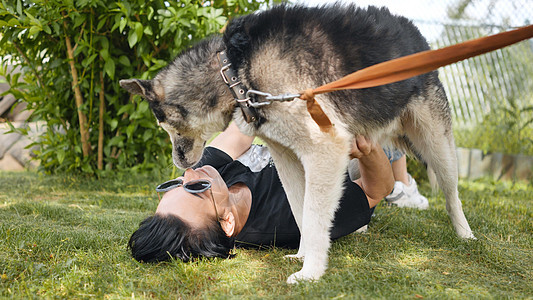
column 407, row 196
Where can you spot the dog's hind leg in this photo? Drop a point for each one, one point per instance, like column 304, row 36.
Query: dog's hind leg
column 325, row 168
column 428, row 127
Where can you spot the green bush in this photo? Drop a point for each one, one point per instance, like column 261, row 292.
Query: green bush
column 507, row 129
column 73, row 53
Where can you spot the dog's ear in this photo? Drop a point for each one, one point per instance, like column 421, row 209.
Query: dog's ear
column 138, row 87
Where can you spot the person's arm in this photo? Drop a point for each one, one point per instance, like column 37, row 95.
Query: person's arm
column 377, row 180
column 232, row 141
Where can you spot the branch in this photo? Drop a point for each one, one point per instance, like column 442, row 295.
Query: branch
column 79, row 38
column 29, row 63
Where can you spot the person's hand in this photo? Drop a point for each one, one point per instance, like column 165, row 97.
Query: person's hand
column 361, row 146
column 377, row 179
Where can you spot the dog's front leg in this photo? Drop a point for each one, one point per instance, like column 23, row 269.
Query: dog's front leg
column 291, row 174
column 324, row 169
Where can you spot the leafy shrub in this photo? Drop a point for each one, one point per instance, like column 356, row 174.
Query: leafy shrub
column 507, row 129
column 72, row 55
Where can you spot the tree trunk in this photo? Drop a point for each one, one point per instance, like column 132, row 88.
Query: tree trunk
column 100, row 162
column 84, row 132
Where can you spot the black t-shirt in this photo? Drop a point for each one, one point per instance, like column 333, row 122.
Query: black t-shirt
column 270, row 222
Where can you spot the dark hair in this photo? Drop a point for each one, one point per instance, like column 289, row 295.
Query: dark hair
column 161, row 237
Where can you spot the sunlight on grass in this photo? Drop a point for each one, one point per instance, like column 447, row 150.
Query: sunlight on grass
column 494, row 186
column 412, row 258
column 66, row 237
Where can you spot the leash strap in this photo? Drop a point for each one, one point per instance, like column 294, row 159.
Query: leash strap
column 409, row 66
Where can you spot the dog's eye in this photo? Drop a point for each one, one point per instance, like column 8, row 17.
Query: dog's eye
column 170, row 128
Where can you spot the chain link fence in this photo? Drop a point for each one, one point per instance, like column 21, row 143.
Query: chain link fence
column 502, row 79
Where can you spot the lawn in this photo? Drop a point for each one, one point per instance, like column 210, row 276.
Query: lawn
column 65, row 237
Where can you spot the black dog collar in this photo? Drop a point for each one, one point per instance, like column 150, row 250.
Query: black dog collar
column 229, row 75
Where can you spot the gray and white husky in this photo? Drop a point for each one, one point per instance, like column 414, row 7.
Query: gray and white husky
column 288, row 49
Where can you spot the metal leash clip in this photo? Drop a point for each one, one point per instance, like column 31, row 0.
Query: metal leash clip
column 268, row 97
column 283, row 97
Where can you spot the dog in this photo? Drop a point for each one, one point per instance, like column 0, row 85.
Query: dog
column 288, row 49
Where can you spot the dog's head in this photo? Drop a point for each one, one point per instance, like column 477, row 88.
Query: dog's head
column 189, row 100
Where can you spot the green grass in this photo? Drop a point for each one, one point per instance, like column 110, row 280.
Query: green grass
column 65, row 237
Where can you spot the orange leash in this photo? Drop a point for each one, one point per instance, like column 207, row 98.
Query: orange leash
column 409, row 66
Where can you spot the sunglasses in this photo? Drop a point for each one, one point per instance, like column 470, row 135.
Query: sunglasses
column 193, row 187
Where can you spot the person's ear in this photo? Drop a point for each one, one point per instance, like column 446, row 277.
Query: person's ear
column 228, row 224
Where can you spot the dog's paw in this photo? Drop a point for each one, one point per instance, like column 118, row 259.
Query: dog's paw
column 465, row 232
column 302, row 276
column 362, row 230
column 469, row 235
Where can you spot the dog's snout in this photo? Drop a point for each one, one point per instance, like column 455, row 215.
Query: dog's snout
column 184, row 154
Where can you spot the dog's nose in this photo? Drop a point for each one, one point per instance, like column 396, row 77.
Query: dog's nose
column 181, row 154
column 182, row 164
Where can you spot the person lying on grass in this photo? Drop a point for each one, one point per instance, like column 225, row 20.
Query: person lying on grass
column 234, row 198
